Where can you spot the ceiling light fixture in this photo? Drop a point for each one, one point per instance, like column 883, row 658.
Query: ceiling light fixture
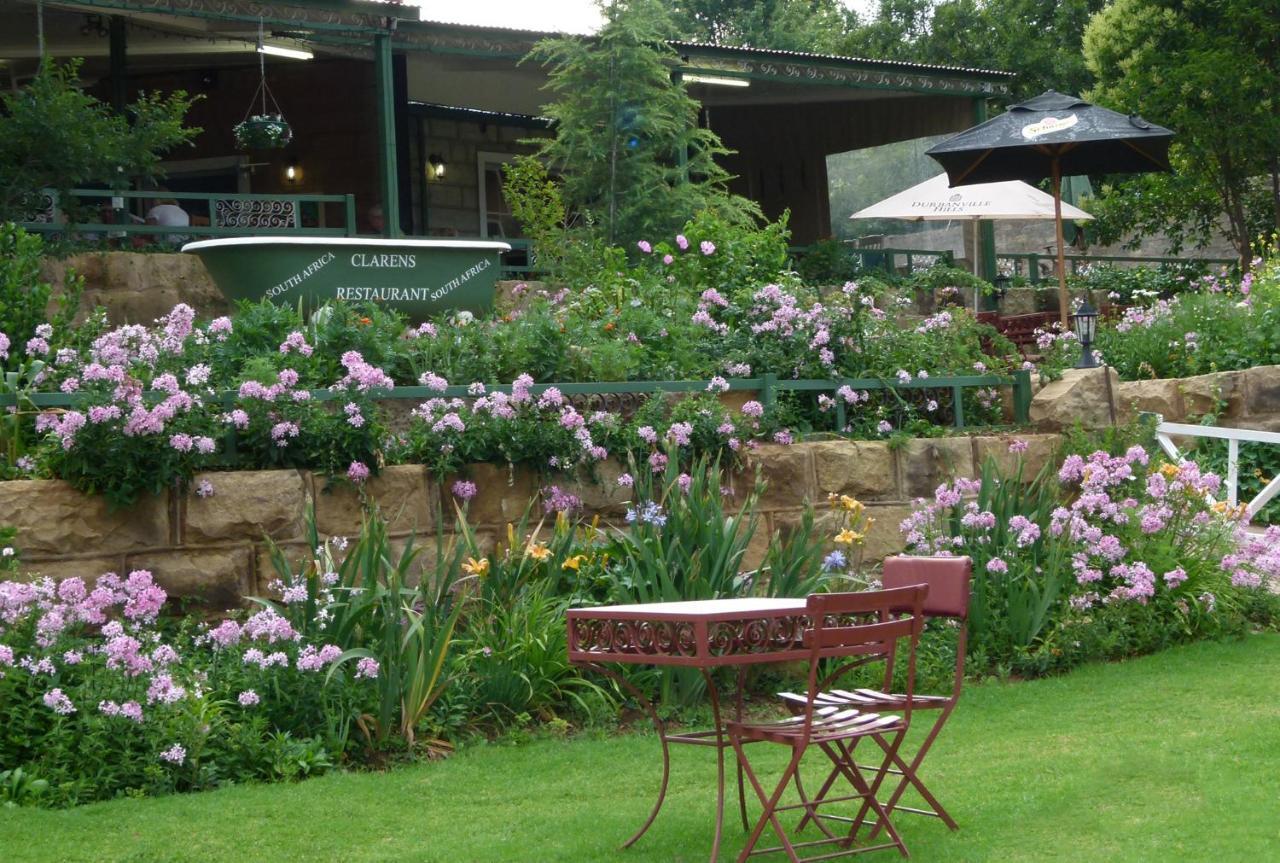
column 281, row 51
column 715, row 80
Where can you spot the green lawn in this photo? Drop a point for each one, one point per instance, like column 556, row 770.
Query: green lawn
column 1170, row 757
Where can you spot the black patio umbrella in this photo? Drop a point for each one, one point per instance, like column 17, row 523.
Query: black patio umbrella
column 1049, row 136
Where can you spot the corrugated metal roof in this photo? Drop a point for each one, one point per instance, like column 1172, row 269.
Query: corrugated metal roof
column 901, row 65
column 838, row 58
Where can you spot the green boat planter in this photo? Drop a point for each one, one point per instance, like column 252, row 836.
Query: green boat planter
column 417, row 277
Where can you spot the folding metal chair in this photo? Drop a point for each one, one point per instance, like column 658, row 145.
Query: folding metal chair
column 856, row 629
column 948, row 579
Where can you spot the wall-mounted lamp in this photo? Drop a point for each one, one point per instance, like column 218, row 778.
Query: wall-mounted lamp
column 281, row 51
column 293, row 172
column 435, row 166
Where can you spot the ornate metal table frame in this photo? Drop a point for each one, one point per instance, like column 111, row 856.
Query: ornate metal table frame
column 701, row 634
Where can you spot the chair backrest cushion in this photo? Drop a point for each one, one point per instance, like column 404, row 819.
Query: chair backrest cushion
column 948, row 579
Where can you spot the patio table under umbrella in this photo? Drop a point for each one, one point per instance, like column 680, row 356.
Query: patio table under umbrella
column 935, row 200
column 1049, row 136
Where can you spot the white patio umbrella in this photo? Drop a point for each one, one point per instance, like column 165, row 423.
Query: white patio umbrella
column 935, row 200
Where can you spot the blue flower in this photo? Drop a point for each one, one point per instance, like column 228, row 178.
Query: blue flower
column 835, row 560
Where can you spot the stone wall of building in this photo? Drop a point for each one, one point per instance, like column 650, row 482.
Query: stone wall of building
column 217, row 550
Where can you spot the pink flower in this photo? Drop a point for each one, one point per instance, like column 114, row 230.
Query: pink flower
column 248, row 698
column 367, row 668
column 175, row 754
column 682, row 241
column 626, row 480
column 1018, row 445
column 644, row 246
column 57, row 701
column 707, row 247
column 753, row 409
column 464, row 489
column 667, row 259
column 204, row 489
column 358, row 472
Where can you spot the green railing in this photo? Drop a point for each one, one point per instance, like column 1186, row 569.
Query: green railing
column 1028, row 264
column 883, row 259
column 228, row 215
column 766, row 386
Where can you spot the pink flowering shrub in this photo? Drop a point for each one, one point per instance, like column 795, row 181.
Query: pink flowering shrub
column 102, row 695
column 1123, row 544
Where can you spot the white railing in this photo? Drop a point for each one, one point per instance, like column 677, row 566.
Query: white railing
column 1165, row 432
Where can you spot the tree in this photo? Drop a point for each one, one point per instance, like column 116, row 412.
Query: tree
column 1038, row 40
column 54, row 135
column 788, row 25
column 633, row 159
column 1206, row 69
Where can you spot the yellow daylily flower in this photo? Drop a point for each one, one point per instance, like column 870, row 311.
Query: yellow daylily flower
column 476, row 567
column 849, row 504
column 574, row 562
column 538, row 551
column 848, row 537
column 1169, row 470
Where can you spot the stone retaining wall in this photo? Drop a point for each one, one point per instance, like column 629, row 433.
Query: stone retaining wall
column 1242, row 399
column 214, row 551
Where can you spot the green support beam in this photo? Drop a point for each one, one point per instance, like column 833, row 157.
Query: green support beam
column 388, row 170
column 986, row 230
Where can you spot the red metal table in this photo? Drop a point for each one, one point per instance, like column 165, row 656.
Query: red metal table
column 701, row 634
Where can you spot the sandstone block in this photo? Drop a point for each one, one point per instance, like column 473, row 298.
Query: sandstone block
column 215, row 578
column 1079, row 397
column 928, row 462
column 1041, row 449
column 883, row 536
column 1202, row 394
column 402, row 494
column 861, row 469
column 502, row 493
column 52, row 517
column 786, row 471
column 87, row 568
column 245, row 505
column 1262, row 390
column 600, row 494
column 1163, row 397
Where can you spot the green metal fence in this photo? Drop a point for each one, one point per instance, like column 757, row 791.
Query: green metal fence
column 1029, row 264
column 767, row 387
column 228, row 215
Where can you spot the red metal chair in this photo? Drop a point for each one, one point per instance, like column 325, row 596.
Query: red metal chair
column 948, row 579
column 856, row 629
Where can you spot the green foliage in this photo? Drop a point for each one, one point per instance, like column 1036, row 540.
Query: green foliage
column 1039, row 40
column 782, row 25
column 54, row 135
column 1201, row 69
column 385, row 606
column 633, row 158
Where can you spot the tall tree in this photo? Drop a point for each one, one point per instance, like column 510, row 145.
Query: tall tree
column 1191, row 66
column 789, row 25
column 1038, row 40
column 634, row 160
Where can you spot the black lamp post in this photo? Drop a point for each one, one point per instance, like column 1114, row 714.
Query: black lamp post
column 1085, row 323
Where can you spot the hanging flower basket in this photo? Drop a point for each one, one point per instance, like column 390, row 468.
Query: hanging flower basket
column 263, row 132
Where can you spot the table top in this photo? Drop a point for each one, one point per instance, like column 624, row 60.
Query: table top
column 698, row 633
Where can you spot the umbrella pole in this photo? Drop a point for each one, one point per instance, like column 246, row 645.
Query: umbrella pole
column 975, row 265
column 1064, row 302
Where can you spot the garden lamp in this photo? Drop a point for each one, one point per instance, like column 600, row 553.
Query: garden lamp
column 435, row 166
column 1085, row 323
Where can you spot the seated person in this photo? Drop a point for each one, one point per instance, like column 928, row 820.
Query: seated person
column 167, row 212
